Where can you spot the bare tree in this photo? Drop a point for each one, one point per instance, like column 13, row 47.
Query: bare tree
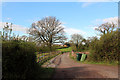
column 76, row 38
column 48, row 31
column 106, row 27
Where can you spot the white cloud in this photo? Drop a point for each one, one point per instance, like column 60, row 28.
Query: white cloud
column 71, row 31
column 97, row 22
column 111, row 19
column 8, row 18
column 15, row 27
column 94, row 27
column 86, row 4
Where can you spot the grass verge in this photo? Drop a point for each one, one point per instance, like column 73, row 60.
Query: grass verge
column 102, row 63
column 91, row 62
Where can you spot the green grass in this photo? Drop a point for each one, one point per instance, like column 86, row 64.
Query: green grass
column 103, row 63
column 91, row 62
column 65, row 49
column 70, row 55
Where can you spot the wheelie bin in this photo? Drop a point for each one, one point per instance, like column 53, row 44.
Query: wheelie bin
column 83, row 57
column 78, row 56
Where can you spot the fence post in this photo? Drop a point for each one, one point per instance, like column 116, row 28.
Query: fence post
column 42, row 57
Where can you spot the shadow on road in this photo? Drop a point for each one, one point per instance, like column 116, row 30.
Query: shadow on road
column 67, row 69
column 77, row 73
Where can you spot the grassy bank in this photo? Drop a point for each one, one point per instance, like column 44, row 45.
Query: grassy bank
column 102, row 63
column 91, row 62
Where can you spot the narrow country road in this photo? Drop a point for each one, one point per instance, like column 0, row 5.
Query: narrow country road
column 68, row 68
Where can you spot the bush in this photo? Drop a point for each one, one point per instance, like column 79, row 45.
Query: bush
column 19, row 60
column 105, row 49
column 80, row 47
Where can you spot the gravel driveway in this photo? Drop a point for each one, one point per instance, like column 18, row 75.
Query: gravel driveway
column 68, row 68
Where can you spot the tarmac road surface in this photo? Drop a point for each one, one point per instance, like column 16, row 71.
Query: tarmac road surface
column 68, row 68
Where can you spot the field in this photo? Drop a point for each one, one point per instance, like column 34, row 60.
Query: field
column 69, row 49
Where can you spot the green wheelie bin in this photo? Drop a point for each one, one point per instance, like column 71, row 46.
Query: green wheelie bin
column 78, row 56
column 83, row 57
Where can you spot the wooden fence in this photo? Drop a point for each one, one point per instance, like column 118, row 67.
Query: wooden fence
column 43, row 57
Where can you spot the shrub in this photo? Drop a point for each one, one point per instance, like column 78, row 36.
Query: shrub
column 105, row 49
column 44, row 48
column 18, row 60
